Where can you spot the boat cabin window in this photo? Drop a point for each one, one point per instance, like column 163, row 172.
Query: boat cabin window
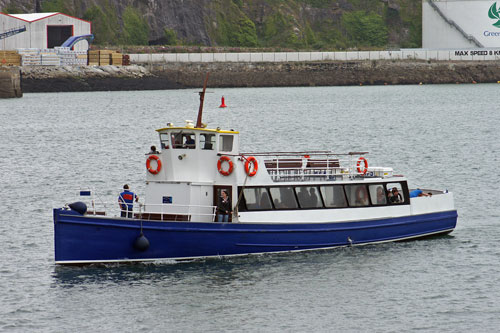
column 207, row 141
column 395, row 193
column 333, row 195
column 308, row 197
column 357, row 195
column 257, row 198
column 225, row 143
column 283, row 197
column 323, row 196
column 181, row 140
column 164, row 140
column 378, row 194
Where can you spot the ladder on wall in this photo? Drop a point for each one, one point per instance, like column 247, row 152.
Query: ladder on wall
column 454, row 24
column 12, row 32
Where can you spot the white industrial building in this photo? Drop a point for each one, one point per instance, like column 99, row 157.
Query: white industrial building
column 460, row 24
column 43, row 30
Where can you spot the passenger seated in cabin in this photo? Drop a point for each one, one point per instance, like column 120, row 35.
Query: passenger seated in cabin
column 396, row 196
column 304, row 198
column 313, row 198
column 381, row 199
column 361, row 197
column 265, row 203
column 277, row 204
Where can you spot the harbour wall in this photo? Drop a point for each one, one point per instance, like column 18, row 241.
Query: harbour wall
column 177, row 75
column 10, row 82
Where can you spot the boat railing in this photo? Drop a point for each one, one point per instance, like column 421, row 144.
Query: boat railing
column 317, row 166
column 176, row 212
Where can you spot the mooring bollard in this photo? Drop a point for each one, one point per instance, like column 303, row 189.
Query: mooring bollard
column 10, row 82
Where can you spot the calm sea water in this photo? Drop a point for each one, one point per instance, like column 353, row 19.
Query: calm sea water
column 443, row 137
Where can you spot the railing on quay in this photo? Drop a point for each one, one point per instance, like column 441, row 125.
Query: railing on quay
column 479, row 54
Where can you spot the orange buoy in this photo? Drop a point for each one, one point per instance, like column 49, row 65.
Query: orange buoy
column 222, row 103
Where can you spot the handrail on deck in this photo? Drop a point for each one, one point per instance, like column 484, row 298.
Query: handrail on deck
column 310, row 165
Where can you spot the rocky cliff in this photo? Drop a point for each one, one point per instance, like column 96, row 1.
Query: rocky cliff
column 297, row 24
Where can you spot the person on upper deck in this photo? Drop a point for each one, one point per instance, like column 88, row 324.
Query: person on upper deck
column 126, row 201
column 419, row 193
column 224, row 207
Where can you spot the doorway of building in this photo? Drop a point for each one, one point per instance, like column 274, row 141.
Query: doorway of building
column 218, row 199
column 57, row 34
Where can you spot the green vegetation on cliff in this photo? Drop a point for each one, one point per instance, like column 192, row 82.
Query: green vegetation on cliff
column 285, row 24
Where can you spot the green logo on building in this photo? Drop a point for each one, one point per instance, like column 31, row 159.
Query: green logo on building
column 494, row 13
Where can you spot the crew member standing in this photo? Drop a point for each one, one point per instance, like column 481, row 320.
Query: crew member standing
column 224, row 207
column 126, row 201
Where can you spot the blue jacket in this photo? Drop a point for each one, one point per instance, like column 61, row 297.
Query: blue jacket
column 128, row 198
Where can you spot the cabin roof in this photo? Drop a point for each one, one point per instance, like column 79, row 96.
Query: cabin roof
column 198, row 129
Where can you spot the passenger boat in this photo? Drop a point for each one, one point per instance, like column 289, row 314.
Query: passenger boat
column 280, row 201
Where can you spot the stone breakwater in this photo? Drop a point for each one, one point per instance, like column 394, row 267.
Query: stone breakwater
column 191, row 75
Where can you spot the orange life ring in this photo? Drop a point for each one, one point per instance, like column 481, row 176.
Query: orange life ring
column 365, row 165
column 219, row 165
column 251, row 160
column 158, row 164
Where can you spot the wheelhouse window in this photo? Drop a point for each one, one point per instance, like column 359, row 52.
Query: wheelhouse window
column 164, row 141
column 207, row 141
column 283, row 197
column 257, row 198
column 181, row 140
column 226, row 143
column 395, row 193
column 378, row 194
column 308, row 197
column 333, row 195
column 357, row 195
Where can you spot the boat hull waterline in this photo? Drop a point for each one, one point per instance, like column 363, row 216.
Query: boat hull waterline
column 81, row 239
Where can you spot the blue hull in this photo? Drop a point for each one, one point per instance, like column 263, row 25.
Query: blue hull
column 87, row 239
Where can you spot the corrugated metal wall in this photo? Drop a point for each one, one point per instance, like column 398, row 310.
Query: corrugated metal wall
column 35, row 35
column 459, row 24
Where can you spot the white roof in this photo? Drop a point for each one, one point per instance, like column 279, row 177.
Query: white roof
column 32, row 17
